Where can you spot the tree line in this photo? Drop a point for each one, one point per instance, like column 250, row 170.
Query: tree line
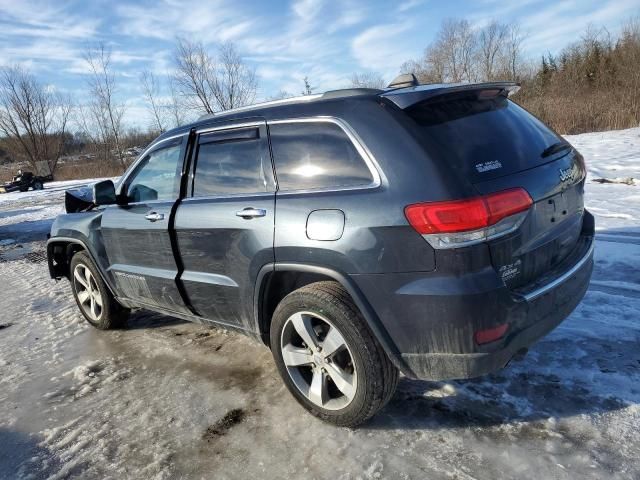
column 592, row 84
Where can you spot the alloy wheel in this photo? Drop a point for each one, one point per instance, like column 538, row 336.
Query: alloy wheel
column 318, row 360
column 87, row 291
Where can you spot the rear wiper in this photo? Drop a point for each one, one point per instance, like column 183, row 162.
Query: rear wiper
column 555, row 148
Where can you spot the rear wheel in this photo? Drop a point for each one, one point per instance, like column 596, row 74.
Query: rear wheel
column 327, row 356
column 95, row 301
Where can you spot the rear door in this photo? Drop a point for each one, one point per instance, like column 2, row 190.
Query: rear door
column 136, row 234
column 224, row 226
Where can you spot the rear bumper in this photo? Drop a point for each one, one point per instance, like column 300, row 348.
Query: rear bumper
column 433, row 328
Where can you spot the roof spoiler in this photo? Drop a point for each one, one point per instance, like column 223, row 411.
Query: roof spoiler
column 406, row 96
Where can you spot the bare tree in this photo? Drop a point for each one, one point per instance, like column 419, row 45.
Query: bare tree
column 513, row 50
column 281, row 95
column 33, row 118
column 308, row 89
column 456, row 44
column 195, row 75
column 461, row 53
column 209, row 84
column 491, row 40
column 151, row 90
column 450, row 58
column 107, row 113
column 174, row 105
column 367, row 80
column 236, row 83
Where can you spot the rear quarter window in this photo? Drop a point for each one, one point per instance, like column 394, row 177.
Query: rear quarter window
column 316, row 155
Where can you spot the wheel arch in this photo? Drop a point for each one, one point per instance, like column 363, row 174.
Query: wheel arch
column 60, row 251
column 268, row 294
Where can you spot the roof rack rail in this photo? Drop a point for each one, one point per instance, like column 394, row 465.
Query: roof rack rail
column 350, row 92
column 283, row 101
column 342, row 93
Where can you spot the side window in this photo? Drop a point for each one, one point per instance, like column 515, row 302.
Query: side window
column 231, row 162
column 311, row 155
column 157, row 176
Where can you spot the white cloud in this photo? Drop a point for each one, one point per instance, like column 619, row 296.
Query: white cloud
column 552, row 28
column 307, row 9
column 409, row 4
column 209, row 22
column 44, row 19
column 384, row 47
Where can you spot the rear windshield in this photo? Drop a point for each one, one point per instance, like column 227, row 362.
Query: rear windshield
column 483, row 138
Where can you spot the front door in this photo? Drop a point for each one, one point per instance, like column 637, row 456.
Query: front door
column 224, row 226
column 136, row 232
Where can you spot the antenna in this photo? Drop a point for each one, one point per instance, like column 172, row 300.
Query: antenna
column 404, row 80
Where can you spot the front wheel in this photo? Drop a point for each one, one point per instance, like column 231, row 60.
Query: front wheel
column 327, row 356
column 95, row 301
column 37, row 185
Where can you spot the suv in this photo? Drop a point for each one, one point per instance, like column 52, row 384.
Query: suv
column 433, row 230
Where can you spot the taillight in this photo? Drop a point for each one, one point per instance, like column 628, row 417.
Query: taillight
column 457, row 223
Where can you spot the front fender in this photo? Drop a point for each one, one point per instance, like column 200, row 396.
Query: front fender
column 84, row 230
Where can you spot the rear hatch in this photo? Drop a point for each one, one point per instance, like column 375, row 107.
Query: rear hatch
column 496, row 145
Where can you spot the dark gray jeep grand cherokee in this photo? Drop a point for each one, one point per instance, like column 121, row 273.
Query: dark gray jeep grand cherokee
column 433, row 230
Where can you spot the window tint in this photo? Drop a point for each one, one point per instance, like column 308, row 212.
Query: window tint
column 228, row 166
column 157, row 176
column 311, row 155
column 482, row 138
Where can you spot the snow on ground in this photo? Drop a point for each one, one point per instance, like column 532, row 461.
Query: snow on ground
column 147, row 402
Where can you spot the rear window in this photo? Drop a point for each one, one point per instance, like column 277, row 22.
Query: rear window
column 482, row 138
column 316, row 155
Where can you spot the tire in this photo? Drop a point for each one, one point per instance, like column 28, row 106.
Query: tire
column 353, row 382
column 24, row 189
column 37, row 185
column 84, row 273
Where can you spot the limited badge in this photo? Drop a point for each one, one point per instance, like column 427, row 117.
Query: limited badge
column 487, row 166
column 508, row 272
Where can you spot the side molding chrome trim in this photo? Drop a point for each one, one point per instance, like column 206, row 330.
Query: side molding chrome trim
column 562, row 278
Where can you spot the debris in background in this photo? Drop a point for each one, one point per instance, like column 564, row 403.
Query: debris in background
column 625, row 181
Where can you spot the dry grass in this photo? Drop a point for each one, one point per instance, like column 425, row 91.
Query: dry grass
column 76, row 171
column 589, row 112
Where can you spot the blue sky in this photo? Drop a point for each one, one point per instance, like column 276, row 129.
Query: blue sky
column 284, row 40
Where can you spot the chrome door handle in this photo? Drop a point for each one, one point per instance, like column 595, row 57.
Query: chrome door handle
column 154, row 217
column 251, row 212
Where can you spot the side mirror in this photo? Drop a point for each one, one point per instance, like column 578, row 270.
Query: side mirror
column 104, row 193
